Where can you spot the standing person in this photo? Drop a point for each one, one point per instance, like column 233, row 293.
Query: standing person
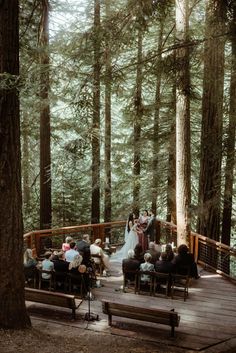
column 84, row 244
column 150, row 230
column 129, row 225
column 142, row 224
column 132, row 241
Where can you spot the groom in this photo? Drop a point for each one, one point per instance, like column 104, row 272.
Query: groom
column 150, row 230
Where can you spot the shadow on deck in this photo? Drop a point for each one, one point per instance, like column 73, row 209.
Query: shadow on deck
column 208, row 316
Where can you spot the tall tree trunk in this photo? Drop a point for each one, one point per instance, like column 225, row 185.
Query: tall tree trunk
column 230, row 147
column 108, row 79
column 137, row 128
column 25, row 162
column 155, row 174
column 171, row 183
column 45, row 131
column 95, row 209
column 211, row 131
column 13, row 313
column 183, row 169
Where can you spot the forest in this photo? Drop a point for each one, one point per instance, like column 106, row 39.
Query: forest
column 128, row 106
column 111, row 107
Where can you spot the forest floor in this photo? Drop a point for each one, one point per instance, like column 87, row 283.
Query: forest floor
column 67, row 339
column 74, row 340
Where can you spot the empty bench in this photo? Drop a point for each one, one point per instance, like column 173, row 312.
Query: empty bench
column 53, row 298
column 159, row 316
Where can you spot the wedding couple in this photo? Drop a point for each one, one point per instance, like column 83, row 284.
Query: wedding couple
column 132, row 234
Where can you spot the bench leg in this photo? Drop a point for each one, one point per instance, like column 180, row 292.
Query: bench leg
column 73, row 314
column 109, row 319
column 172, row 331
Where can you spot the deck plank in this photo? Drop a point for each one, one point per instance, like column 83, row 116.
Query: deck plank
column 208, row 316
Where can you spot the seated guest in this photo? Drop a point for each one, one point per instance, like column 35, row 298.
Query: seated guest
column 95, row 249
column 74, row 270
column 75, row 263
column 70, row 254
column 184, row 260
column 29, row 261
column 130, row 264
column 170, row 253
column 163, row 265
column 155, row 254
column 47, row 265
column 66, row 245
column 146, row 266
column 83, row 244
column 138, row 253
column 29, row 265
column 60, row 265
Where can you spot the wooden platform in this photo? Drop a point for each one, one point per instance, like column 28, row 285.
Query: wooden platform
column 208, row 316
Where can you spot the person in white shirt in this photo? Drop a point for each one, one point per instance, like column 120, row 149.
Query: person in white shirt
column 70, row 254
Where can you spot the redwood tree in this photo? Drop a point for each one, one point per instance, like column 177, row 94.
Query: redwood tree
column 137, row 127
column 45, row 131
column 12, row 304
column 182, row 122
column 108, row 80
column 212, row 112
column 230, row 145
column 95, row 213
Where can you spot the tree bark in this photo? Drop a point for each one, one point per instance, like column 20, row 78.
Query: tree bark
column 171, row 183
column 230, row 146
column 183, row 169
column 156, row 147
column 211, row 130
column 108, row 80
column 95, row 209
column 137, row 128
column 45, row 130
column 13, row 313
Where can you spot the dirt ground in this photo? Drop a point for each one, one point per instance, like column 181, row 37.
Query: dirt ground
column 45, row 337
column 66, row 339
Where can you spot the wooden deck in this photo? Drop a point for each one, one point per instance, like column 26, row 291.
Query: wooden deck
column 208, row 317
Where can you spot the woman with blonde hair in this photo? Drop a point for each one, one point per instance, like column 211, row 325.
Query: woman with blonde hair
column 29, row 260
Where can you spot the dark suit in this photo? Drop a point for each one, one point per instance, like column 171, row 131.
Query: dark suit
column 151, row 228
column 185, row 263
column 130, row 265
column 164, row 266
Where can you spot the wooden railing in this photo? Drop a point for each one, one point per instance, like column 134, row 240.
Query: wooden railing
column 207, row 252
column 38, row 240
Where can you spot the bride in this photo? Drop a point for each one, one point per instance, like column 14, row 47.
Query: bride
column 131, row 240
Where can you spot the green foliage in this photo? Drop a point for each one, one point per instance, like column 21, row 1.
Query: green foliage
column 71, row 101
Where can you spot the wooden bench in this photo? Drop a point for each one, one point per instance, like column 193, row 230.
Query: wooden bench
column 53, row 298
column 159, row 316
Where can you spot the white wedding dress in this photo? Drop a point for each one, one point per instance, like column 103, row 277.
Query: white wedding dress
column 131, row 240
